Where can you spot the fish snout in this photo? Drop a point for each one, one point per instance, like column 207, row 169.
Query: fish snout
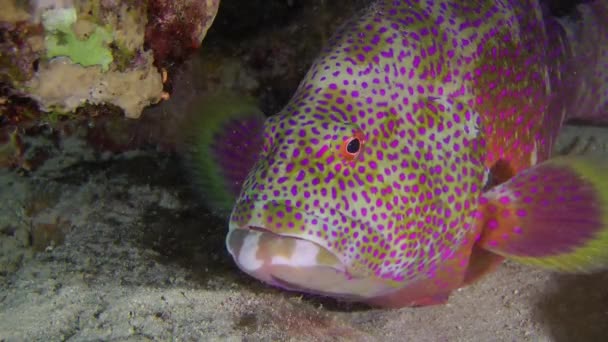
column 297, row 264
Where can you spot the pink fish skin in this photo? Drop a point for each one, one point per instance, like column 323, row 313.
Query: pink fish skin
column 414, row 156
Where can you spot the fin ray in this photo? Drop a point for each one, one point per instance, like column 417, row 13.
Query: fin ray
column 553, row 215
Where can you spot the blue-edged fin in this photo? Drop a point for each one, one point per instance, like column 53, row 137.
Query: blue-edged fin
column 553, row 215
column 222, row 139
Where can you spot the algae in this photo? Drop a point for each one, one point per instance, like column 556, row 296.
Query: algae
column 61, row 40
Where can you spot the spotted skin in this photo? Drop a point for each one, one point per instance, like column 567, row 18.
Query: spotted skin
column 553, row 215
column 439, row 94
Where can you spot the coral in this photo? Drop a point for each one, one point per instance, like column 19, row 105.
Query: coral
column 62, row 40
column 13, row 11
column 105, row 52
column 78, row 49
column 177, row 28
column 61, row 60
column 94, row 54
column 62, row 85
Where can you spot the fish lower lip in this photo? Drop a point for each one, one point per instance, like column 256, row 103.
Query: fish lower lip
column 285, row 284
column 280, row 282
column 297, row 264
column 257, row 247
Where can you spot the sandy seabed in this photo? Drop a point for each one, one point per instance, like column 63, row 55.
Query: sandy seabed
column 119, row 249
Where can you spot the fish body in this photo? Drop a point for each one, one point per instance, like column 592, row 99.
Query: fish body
column 400, row 169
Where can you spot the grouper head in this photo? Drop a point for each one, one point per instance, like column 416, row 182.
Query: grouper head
column 367, row 179
column 354, row 202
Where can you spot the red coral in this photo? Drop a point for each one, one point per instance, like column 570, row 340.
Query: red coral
column 175, row 28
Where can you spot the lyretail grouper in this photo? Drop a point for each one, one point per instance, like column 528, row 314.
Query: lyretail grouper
column 415, row 154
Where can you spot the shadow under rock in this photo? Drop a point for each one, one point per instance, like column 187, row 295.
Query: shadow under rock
column 147, row 168
column 576, row 309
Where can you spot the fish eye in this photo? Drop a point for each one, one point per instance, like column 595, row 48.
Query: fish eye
column 352, row 146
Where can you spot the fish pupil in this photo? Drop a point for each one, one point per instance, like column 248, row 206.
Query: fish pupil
column 353, row 146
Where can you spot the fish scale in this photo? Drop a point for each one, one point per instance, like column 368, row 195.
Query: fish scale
column 372, row 182
column 358, row 84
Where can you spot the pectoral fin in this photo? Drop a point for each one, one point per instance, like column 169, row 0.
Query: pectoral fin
column 221, row 142
column 553, row 215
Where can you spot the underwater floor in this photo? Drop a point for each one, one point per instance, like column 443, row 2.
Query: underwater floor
column 118, row 249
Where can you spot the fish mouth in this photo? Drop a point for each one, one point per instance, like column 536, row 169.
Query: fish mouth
column 297, row 264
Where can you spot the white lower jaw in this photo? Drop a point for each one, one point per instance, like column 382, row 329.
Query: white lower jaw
column 299, row 265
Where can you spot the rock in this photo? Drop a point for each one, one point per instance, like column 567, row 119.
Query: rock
column 66, row 53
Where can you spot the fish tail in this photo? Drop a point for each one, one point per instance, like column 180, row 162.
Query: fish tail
column 220, row 143
column 553, row 215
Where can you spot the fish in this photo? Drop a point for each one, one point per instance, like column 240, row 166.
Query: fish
column 416, row 155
